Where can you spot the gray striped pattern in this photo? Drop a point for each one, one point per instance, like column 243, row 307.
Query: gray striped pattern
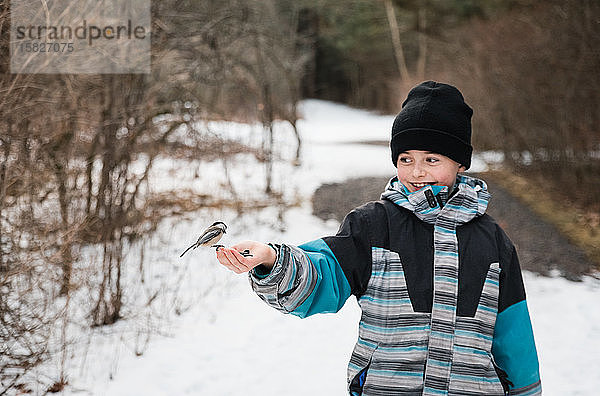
column 290, row 282
column 473, row 370
column 445, row 291
column 394, row 340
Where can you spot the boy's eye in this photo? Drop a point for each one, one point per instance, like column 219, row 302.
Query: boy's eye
column 432, row 159
column 405, row 160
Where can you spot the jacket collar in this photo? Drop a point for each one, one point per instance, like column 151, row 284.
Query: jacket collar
column 469, row 199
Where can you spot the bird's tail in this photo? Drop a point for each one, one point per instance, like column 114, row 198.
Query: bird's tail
column 186, row 250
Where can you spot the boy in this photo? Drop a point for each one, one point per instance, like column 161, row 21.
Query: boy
column 438, row 281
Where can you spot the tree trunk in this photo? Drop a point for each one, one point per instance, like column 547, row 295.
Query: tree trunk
column 422, row 60
column 395, row 33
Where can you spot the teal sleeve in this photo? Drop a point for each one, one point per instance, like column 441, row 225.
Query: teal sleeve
column 514, row 351
column 331, row 289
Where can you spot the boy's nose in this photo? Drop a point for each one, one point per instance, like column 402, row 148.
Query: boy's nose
column 418, row 171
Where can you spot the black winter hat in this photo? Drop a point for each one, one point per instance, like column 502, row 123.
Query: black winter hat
column 434, row 117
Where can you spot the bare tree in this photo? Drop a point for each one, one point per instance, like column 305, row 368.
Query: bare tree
column 68, row 144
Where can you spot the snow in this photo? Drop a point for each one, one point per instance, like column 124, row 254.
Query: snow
column 230, row 343
column 566, row 325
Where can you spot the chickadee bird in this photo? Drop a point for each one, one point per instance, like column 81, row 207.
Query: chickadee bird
column 210, row 236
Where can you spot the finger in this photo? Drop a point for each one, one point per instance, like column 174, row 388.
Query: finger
column 221, row 257
column 235, row 260
column 246, row 262
column 236, row 270
column 224, row 260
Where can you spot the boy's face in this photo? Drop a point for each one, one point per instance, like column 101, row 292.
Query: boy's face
column 416, row 169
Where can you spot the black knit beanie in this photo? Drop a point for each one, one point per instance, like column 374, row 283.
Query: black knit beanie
column 434, row 117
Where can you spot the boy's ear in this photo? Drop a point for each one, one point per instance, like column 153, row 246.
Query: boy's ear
column 462, row 168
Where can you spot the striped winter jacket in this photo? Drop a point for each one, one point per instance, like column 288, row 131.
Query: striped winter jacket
column 440, row 289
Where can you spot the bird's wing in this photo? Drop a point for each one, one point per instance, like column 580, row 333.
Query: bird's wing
column 208, row 236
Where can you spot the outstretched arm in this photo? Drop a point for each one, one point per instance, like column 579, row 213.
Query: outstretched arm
column 315, row 277
column 301, row 280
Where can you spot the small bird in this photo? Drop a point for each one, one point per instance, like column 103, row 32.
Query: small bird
column 210, row 236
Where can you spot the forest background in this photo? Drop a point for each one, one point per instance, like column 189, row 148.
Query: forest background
column 76, row 150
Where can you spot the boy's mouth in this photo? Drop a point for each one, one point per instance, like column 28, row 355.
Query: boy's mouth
column 418, row 186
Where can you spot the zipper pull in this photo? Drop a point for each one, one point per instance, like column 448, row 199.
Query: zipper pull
column 430, row 199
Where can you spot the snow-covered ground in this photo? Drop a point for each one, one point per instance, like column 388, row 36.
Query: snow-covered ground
column 231, row 343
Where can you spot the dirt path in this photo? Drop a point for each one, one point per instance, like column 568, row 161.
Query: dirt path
column 541, row 247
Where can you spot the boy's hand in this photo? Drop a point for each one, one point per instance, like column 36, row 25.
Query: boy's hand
column 232, row 259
